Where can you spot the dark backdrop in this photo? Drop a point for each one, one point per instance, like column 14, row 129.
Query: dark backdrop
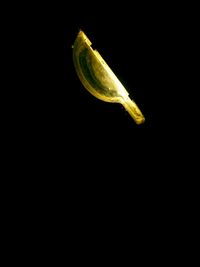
column 78, row 161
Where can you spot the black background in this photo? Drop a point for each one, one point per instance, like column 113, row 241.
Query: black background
column 75, row 157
